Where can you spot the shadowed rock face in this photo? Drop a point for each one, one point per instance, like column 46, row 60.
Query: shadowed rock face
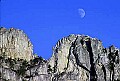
column 75, row 58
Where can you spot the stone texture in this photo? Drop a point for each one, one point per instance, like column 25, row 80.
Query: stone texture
column 15, row 44
column 74, row 58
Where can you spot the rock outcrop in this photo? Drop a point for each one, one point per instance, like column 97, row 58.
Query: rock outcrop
column 82, row 58
column 15, row 44
column 74, row 58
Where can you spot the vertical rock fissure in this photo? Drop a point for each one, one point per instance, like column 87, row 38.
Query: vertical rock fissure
column 113, row 59
column 104, row 71
column 76, row 56
column 93, row 75
column 55, row 65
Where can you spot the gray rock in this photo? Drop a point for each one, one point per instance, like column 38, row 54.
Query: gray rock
column 15, row 44
column 74, row 58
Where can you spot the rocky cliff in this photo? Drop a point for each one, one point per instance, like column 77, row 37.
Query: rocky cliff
column 74, row 58
column 15, row 44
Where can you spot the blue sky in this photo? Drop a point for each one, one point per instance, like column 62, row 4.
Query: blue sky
column 47, row 21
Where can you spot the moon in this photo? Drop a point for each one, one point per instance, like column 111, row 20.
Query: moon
column 81, row 12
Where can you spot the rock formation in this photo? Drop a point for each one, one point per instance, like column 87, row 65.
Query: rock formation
column 74, row 58
column 15, row 44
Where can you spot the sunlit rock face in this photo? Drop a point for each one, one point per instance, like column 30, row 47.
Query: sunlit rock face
column 82, row 58
column 15, row 44
column 74, row 58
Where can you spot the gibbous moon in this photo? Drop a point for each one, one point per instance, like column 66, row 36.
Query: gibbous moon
column 81, row 13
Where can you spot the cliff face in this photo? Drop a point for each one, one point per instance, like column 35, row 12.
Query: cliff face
column 75, row 58
column 82, row 58
column 15, row 44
